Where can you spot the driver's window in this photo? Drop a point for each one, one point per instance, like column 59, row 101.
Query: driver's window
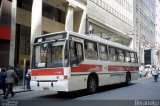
column 76, row 54
column 57, row 54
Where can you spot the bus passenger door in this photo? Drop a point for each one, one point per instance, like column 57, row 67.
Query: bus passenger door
column 76, row 53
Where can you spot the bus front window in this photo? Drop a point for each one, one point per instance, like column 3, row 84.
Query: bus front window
column 50, row 55
column 40, row 55
column 54, row 56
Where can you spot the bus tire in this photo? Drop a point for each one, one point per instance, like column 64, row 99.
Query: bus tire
column 128, row 79
column 92, row 84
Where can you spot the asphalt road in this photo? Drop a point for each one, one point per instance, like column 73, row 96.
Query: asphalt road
column 142, row 92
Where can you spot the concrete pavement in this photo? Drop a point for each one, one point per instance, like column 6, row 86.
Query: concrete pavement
column 17, row 89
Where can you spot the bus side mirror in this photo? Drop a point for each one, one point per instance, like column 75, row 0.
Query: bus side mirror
column 71, row 44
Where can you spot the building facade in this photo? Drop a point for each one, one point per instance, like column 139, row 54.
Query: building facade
column 157, row 32
column 128, row 22
column 144, row 30
column 107, row 21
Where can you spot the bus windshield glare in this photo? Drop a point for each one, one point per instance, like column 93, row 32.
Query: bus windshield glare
column 49, row 55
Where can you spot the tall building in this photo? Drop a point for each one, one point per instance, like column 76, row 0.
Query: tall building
column 144, row 30
column 157, row 32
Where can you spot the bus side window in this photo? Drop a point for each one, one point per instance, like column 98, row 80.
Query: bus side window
column 112, row 54
column 76, row 53
column 79, row 51
column 133, row 57
column 120, row 55
column 127, row 57
column 136, row 57
column 103, row 54
column 91, row 50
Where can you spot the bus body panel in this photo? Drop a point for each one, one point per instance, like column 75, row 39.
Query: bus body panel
column 79, row 79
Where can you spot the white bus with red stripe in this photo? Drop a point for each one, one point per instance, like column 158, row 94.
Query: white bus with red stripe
column 67, row 61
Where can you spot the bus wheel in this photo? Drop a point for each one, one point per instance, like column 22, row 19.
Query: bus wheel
column 92, row 85
column 128, row 79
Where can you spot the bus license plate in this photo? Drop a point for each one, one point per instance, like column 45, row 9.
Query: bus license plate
column 45, row 88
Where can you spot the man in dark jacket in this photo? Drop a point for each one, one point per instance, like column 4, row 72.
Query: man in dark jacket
column 10, row 80
column 2, row 80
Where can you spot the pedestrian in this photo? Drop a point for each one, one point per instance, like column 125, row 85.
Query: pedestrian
column 150, row 72
column 155, row 73
column 28, row 79
column 26, row 75
column 146, row 71
column 11, row 76
column 2, row 80
column 142, row 71
column 17, row 70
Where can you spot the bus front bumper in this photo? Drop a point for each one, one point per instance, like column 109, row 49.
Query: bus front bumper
column 52, row 86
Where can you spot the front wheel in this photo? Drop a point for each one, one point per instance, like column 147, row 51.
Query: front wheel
column 92, row 85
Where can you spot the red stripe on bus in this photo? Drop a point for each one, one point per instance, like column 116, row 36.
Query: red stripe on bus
column 122, row 68
column 87, row 68
column 45, row 72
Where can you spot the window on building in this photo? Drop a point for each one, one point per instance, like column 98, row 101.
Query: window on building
column 25, row 39
column 53, row 13
column 25, row 4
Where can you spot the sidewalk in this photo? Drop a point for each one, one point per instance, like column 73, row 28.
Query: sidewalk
column 17, row 89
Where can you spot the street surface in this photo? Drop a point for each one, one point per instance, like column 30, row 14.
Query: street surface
column 142, row 89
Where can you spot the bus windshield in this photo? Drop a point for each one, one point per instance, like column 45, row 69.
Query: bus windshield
column 49, row 55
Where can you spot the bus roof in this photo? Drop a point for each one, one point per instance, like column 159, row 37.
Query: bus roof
column 94, row 38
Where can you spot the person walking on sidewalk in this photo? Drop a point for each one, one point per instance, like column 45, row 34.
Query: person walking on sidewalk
column 155, row 73
column 10, row 80
column 2, row 80
column 28, row 78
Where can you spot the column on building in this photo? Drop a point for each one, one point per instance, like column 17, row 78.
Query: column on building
column 13, row 32
column 36, row 22
column 69, row 17
column 83, row 24
column 36, row 19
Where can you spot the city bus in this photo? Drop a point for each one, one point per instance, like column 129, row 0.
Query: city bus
column 68, row 61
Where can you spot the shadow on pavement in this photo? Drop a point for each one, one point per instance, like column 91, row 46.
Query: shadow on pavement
column 76, row 94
